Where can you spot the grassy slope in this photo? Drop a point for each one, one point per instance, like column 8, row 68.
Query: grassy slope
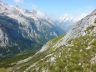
column 73, row 58
column 38, row 56
column 78, row 56
column 8, row 62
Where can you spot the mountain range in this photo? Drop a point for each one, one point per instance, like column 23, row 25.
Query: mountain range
column 73, row 52
column 22, row 30
column 32, row 41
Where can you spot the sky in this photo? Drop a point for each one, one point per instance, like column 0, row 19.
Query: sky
column 57, row 7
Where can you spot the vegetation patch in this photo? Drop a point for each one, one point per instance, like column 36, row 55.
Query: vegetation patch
column 73, row 58
column 89, row 29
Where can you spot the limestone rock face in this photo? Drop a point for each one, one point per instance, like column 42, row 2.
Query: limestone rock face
column 22, row 29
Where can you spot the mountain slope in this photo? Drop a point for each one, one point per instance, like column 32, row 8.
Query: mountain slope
column 22, row 30
column 75, row 52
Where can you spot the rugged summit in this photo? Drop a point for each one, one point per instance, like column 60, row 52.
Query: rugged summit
column 22, row 30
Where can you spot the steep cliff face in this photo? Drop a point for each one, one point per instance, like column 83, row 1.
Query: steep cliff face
column 74, row 52
column 22, row 30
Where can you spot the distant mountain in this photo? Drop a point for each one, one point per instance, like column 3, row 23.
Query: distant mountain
column 74, row 52
column 66, row 21
column 22, row 30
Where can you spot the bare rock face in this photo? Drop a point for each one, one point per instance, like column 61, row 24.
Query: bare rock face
column 83, row 27
column 94, row 12
column 22, row 30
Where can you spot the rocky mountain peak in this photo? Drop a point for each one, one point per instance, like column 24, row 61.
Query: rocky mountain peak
column 2, row 5
column 23, row 29
column 93, row 12
column 37, row 13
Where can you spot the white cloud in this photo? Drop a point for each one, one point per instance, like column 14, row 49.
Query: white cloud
column 18, row 1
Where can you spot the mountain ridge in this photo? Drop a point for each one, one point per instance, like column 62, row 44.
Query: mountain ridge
column 78, row 53
column 20, row 30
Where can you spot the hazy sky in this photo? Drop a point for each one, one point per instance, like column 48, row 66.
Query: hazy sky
column 57, row 7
